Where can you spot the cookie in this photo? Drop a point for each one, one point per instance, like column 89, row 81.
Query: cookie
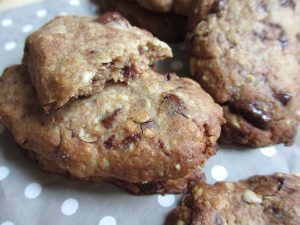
column 245, row 55
column 169, row 26
column 158, row 128
column 162, row 187
column 260, row 200
column 73, row 56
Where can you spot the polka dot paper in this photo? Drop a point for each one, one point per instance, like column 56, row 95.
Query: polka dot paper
column 31, row 196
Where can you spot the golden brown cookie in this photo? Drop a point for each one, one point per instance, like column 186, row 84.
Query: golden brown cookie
column 260, row 200
column 73, row 56
column 245, row 54
column 158, row 128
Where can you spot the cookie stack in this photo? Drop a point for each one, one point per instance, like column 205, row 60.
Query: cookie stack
column 86, row 102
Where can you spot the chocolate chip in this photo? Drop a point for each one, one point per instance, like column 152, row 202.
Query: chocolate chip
column 252, row 113
column 174, row 103
column 109, row 143
column 107, row 121
column 169, row 76
column 284, row 98
column 128, row 72
column 131, row 139
column 287, row 3
column 217, row 6
column 108, row 17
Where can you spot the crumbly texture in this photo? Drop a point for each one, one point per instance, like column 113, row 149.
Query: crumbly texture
column 247, row 57
column 260, row 200
column 73, row 56
column 182, row 7
column 169, row 27
column 157, row 128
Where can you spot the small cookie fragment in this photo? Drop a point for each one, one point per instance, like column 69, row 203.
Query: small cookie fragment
column 109, row 135
column 259, row 200
column 247, row 57
column 72, row 56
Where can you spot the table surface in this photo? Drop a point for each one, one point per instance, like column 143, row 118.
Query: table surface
column 7, row 4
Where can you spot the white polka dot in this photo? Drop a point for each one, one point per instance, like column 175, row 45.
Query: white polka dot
column 219, row 173
column 176, row 65
column 108, row 220
column 27, row 28
column 10, row 45
column 33, row 190
column 268, row 151
column 6, row 22
column 166, row 200
column 7, row 223
column 1, row 128
column 41, row 13
column 69, row 206
column 74, row 2
column 63, row 14
column 4, row 171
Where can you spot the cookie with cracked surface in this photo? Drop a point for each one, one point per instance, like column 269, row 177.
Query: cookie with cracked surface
column 73, row 56
column 166, row 26
column 245, row 56
column 259, row 200
column 110, row 134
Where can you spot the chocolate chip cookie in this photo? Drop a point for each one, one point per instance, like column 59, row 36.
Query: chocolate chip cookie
column 157, row 129
column 259, row 200
column 246, row 55
column 168, row 26
column 73, row 56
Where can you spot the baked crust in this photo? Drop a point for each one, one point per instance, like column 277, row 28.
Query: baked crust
column 159, row 127
column 247, row 57
column 73, row 56
column 259, row 200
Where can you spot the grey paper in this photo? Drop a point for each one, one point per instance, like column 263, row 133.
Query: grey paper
column 29, row 196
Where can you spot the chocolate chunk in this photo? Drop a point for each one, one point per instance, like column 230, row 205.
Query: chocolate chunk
column 130, row 139
column 109, row 143
column 128, row 72
column 175, row 104
column 252, row 113
column 217, row 6
column 298, row 37
column 107, row 121
column 169, row 76
column 108, row 17
column 284, row 98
